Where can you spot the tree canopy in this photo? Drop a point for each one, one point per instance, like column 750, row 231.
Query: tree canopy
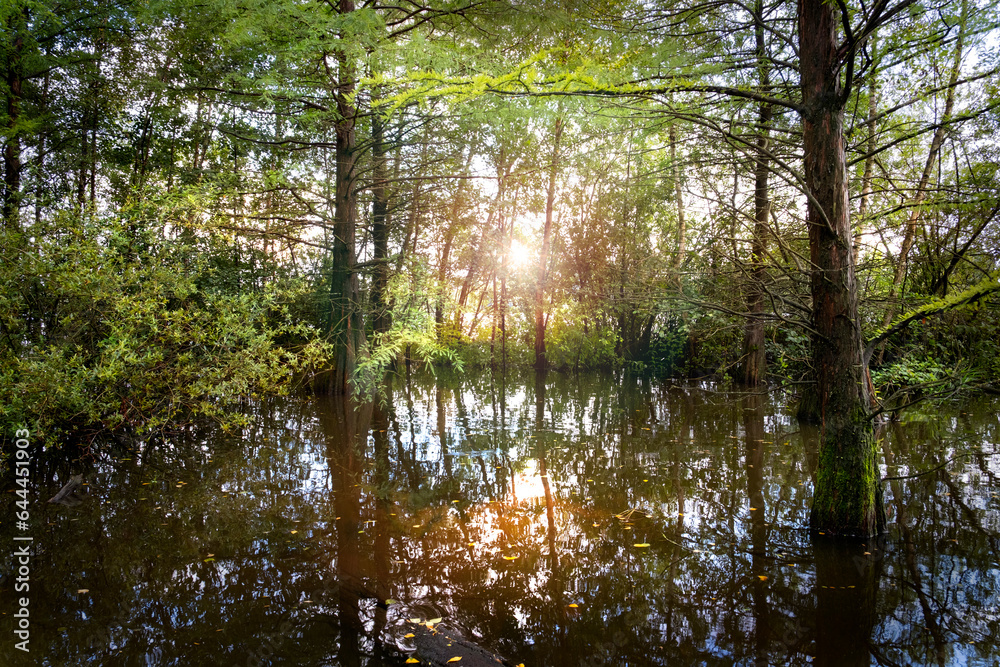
column 206, row 200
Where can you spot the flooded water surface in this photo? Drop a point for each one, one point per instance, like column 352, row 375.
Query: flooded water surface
column 559, row 520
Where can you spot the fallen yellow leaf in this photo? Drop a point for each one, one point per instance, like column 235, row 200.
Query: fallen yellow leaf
column 410, row 661
column 408, row 635
column 455, row 659
column 644, row 544
column 510, row 557
column 574, row 605
column 762, row 577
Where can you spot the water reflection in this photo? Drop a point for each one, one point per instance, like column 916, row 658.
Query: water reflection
column 555, row 520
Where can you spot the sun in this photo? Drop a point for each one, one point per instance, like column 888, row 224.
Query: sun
column 520, row 256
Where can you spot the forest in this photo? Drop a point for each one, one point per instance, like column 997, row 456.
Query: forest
column 211, row 205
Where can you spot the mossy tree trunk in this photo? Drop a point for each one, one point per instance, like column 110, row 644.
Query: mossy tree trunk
column 848, row 499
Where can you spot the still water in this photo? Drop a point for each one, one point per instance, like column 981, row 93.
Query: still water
column 553, row 520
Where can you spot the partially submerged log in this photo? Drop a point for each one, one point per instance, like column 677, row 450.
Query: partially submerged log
column 68, row 495
column 439, row 646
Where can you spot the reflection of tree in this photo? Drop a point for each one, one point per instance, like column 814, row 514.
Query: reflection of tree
column 753, row 431
column 603, row 448
column 846, row 591
column 345, row 427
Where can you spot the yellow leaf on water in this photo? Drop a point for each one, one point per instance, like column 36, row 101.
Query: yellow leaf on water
column 455, row 659
column 410, row 661
column 83, row 590
column 408, row 635
column 644, row 544
column 762, row 577
column 434, row 621
column 510, row 557
column 574, row 605
column 294, row 531
column 415, row 620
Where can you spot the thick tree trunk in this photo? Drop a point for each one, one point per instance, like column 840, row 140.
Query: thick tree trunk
column 541, row 362
column 347, row 330
column 848, row 497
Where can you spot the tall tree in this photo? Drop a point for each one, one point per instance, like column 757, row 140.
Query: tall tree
column 541, row 361
column 848, row 495
column 754, row 357
column 345, row 299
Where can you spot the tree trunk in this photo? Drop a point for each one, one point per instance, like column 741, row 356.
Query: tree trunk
column 347, row 331
column 454, row 222
column 17, row 25
column 543, row 259
column 442, row 282
column 754, row 357
column 380, row 227
column 848, row 497
column 866, row 179
column 470, row 275
column 679, row 194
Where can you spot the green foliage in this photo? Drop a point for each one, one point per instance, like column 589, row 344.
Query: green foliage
column 909, row 371
column 667, row 349
column 412, row 334
column 109, row 328
column 972, row 295
column 569, row 345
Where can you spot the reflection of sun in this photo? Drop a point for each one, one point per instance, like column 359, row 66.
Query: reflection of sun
column 520, row 256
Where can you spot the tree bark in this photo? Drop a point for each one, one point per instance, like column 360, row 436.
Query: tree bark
column 380, row 227
column 17, row 24
column 848, row 497
column 679, row 194
column 541, row 362
column 866, row 179
column 347, row 331
column 754, row 357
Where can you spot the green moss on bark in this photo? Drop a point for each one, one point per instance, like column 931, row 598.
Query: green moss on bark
column 848, row 496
